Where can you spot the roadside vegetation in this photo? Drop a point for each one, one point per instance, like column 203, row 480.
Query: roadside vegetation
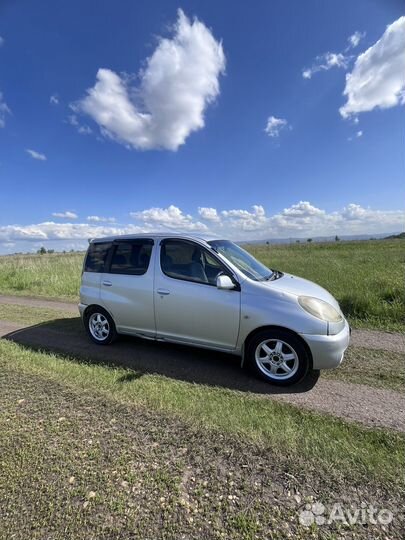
column 377, row 368
column 367, row 277
column 55, row 275
column 94, row 451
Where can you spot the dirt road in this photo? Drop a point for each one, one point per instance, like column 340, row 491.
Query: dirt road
column 371, row 339
column 370, row 406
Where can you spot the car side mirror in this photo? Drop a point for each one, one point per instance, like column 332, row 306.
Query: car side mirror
column 225, row 283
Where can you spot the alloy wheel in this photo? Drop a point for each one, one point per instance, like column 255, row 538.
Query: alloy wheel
column 276, row 359
column 99, row 326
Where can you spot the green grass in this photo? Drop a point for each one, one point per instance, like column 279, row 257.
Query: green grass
column 320, row 441
column 381, row 369
column 55, row 275
column 81, row 456
column 366, row 277
column 91, row 451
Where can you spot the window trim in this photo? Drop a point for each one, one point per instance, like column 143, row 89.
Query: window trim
column 211, row 252
column 111, row 252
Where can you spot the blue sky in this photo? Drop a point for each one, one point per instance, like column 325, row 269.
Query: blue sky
column 171, row 133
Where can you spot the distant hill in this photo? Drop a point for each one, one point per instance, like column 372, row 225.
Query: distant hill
column 346, row 238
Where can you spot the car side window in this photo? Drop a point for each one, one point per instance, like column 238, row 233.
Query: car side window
column 131, row 257
column 96, row 256
column 213, row 268
column 180, row 259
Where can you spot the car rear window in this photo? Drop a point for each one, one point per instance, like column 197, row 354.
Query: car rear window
column 96, row 256
column 131, row 257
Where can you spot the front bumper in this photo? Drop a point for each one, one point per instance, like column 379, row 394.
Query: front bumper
column 327, row 351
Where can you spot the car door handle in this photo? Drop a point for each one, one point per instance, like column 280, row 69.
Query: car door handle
column 163, row 291
column 107, row 283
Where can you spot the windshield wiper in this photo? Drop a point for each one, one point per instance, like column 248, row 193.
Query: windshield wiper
column 276, row 274
column 267, row 278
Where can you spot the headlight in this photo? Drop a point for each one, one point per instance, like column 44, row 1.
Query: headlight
column 319, row 308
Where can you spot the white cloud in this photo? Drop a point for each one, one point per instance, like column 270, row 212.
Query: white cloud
column 54, row 100
column 304, row 219
column 65, row 215
column 303, row 209
column 357, row 135
column 179, row 80
column 36, row 155
column 354, row 211
column 100, row 219
column 4, row 110
column 275, row 125
column 353, row 219
column 84, row 130
column 209, row 214
column 378, row 76
column 168, row 218
column 329, row 60
column 245, row 220
column 355, row 39
column 73, row 120
column 325, row 62
column 335, row 60
column 298, row 220
column 50, row 230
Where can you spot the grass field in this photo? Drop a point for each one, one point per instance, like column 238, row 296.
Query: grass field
column 88, row 451
column 366, row 277
column 55, row 275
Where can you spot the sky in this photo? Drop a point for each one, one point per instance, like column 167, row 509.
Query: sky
column 277, row 119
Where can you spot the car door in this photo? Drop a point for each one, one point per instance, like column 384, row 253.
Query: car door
column 188, row 305
column 126, row 287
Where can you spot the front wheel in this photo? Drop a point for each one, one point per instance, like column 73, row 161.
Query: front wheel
column 100, row 326
column 278, row 357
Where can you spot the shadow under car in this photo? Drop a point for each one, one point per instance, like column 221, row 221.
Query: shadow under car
column 191, row 364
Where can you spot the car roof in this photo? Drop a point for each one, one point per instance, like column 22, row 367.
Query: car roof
column 160, row 235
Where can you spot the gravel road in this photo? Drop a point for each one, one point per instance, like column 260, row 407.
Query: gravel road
column 360, row 403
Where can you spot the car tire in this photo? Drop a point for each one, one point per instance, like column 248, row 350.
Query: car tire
column 278, row 357
column 100, row 326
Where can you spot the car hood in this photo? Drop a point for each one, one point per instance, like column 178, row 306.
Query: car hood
column 300, row 287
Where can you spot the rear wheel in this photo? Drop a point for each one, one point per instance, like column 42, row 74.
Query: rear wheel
column 278, row 357
column 100, row 326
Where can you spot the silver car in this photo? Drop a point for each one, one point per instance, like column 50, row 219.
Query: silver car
column 210, row 293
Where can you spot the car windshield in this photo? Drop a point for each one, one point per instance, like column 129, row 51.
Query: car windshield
column 243, row 261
